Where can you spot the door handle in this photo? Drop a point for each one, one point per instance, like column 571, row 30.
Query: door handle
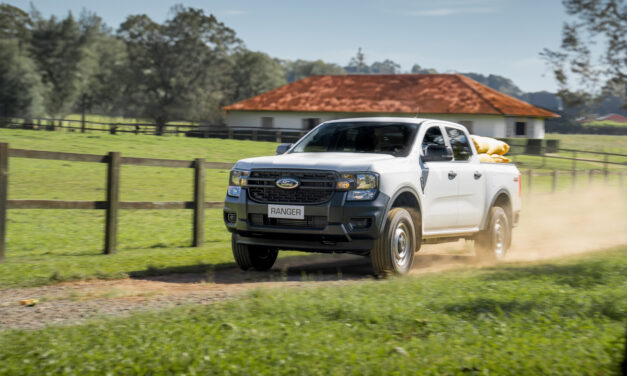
column 477, row 175
column 452, row 175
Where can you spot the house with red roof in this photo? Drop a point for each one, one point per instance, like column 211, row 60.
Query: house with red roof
column 306, row 103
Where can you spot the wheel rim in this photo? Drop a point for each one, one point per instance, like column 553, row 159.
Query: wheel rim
column 263, row 254
column 401, row 245
column 499, row 237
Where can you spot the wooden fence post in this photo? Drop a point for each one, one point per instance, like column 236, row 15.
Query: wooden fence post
column 574, row 182
column 254, row 135
column 113, row 202
column 4, row 189
column 230, row 135
column 605, row 167
column 554, row 185
column 590, row 175
column 529, row 181
column 199, row 201
column 278, row 136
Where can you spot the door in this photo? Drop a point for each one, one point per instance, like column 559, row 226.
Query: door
column 471, row 184
column 439, row 209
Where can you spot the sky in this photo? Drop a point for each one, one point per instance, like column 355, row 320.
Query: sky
column 501, row 37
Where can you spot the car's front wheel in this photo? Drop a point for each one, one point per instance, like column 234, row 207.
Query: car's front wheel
column 393, row 252
column 253, row 257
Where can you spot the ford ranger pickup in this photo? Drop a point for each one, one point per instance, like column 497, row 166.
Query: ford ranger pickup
column 377, row 187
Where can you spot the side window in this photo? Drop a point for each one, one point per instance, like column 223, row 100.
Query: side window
column 459, row 144
column 433, row 136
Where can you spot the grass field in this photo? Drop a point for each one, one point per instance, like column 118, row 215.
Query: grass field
column 52, row 245
column 560, row 318
column 608, row 123
column 46, row 246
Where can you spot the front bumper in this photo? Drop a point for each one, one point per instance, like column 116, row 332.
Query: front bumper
column 338, row 234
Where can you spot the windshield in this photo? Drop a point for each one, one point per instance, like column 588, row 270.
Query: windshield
column 360, row 137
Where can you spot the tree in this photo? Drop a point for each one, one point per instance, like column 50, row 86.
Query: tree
column 358, row 63
column 596, row 22
column 299, row 69
column 254, row 73
column 386, row 67
column 15, row 24
column 176, row 69
column 20, row 87
column 103, row 62
column 417, row 69
column 56, row 49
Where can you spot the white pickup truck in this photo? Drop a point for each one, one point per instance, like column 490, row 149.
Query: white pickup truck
column 378, row 187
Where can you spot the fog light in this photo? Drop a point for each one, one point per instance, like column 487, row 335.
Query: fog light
column 360, row 223
column 231, row 217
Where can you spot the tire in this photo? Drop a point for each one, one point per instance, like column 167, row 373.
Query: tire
column 393, row 252
column 493, row 243
column 253, row 257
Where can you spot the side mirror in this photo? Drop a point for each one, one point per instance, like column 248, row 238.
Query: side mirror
column 438, row 153
column 282, row 148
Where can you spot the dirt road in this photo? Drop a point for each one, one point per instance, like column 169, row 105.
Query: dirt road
column 551, row 226
column 72, row 302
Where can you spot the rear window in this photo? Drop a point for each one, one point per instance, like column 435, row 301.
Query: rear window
column 360, row 137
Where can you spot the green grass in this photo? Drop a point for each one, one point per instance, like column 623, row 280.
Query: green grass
column 45, row 246
column 607, row 123
column 560, row 318
column 592, row 142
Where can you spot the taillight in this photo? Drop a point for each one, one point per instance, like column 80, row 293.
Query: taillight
column 519, row 185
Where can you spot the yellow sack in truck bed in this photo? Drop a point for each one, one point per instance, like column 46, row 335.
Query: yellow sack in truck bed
column 489, row 145
column 494, row 158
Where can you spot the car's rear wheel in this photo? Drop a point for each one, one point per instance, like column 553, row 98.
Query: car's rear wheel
column 393, row 252
column 493, row 243
column 253, row 257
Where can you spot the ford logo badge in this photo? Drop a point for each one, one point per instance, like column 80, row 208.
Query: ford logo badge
column 287, row 183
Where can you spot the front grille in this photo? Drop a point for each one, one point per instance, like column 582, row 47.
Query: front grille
column 310, row 221
column 316, row 187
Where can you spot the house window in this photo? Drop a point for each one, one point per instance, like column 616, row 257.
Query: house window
column 310, row 123
column 520, row 128
column 467, row 124
column 267, row 122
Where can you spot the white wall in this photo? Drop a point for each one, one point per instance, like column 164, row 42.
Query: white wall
column 534, row 128
column 483, row 125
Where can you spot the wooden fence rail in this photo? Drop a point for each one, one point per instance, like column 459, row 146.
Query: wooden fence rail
column 192, row 130
column 112, row 204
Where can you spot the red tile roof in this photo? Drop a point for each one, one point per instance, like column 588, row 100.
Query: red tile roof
column 613, row 117
column 399, row 93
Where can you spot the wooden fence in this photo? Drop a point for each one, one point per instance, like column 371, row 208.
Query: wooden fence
column 575, row 176
column 112, row 203
column 191, row 130
column 545, row 153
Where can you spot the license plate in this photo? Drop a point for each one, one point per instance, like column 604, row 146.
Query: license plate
column 286, row 211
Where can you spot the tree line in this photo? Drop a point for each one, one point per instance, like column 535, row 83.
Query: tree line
column 188, row 67
column 185, row 68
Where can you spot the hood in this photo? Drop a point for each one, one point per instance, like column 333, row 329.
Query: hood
column 316, row 161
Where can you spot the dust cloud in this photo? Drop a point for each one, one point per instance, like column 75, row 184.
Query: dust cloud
column 566, row 223
column 551, row 226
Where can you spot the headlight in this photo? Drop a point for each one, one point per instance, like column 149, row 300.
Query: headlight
column 237, row 180
column 360, row 185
